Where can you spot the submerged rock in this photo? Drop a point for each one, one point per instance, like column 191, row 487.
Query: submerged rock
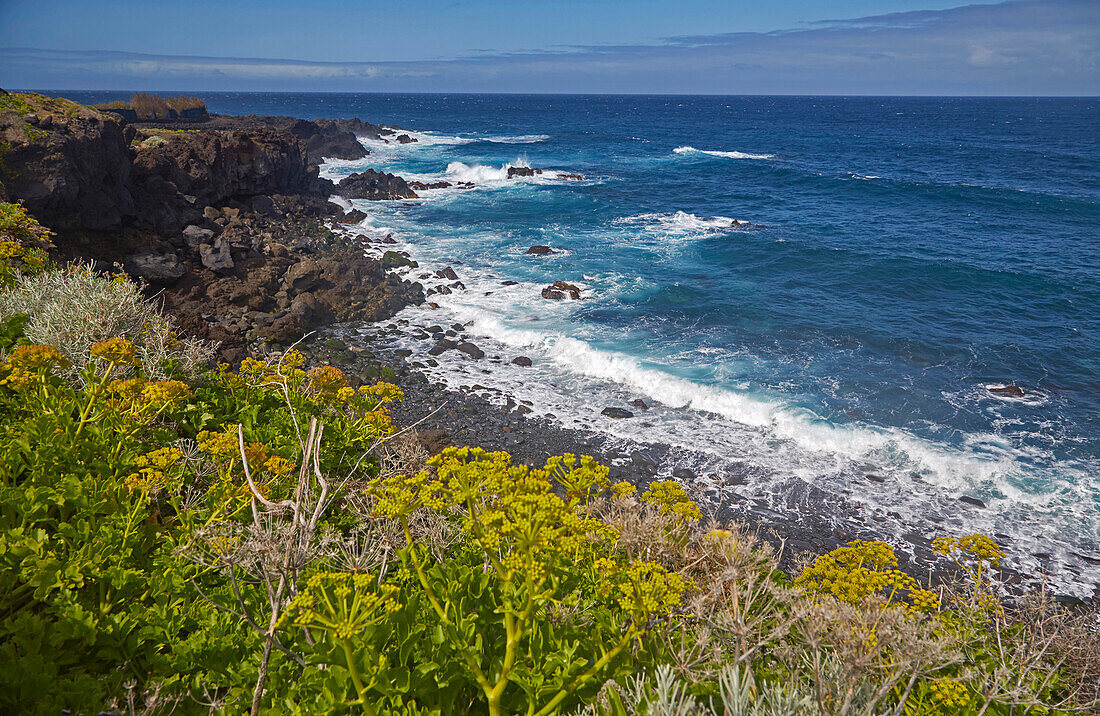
column 539, row 250
column 559, row 289
column 617, row 413
column 1013, row 391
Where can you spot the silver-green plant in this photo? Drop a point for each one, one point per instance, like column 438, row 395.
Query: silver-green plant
column 74, row 307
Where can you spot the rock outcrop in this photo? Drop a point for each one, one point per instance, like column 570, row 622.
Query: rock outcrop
column 375, row 185
column 68, row 164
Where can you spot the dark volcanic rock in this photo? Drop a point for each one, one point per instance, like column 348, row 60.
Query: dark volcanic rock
column 1013, row 391
column 539, row 250
column 471, row 350
column 157, row 269
column 559, row 289
column 375, row 186
column 72, row 172
column 405, row 139
column 420, row 186
column 640, row 404
column 971, row 501
column 523, row 361
column 618, row 413
column 522, row 172
column 392, row 259
column 442, row 347
column 352, row 217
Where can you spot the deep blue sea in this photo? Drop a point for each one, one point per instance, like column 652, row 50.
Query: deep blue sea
column 898, row 258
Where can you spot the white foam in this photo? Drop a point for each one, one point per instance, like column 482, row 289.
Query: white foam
column 680, row 223
column 516, row 139
column 724, row 155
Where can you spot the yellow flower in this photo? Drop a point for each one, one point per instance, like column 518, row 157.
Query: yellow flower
column 37, row 358
column 670, row 498
column 166, row 392
column 115, row 350
column 623, row 490
column 10, row 250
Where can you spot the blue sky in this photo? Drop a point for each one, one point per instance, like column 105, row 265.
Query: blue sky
column 1021, row 47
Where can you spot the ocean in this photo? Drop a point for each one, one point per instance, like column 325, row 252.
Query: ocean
column 893, row 262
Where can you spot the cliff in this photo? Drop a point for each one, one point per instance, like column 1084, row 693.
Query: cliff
column 226, row 220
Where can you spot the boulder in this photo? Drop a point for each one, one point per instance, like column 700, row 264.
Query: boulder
column 539, row 250
column 559, row 289
column 471, row 350
column 523, row 361
column 157, row 269
column 392, row 259
column 352, row 217
column 971, row 501
column 617, row 413
column 447, row 273
column 419, row 186
column 217, row 257
column 405, row 139
column 195, row 236
column 640, row 404
column 442, row 347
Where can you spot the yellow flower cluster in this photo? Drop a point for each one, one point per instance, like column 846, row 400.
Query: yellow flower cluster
column 219, row 445
column 10, row 250
column 949, row 695
column 154, row 469
column 643, row 589
column 669, row 497
column 855, row 571
column 623, row 490
column 340, row 603
column 28, row 364
column 975, row 548
column 582, row 478
column 165, row 392
column 118, row 351
column 513, row 513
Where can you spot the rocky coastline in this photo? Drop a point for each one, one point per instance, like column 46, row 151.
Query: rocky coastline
column 228, row 222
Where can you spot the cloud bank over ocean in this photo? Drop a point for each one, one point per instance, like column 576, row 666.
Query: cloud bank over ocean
column 1044, row 47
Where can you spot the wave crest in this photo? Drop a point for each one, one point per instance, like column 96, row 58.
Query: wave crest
column 725, row 155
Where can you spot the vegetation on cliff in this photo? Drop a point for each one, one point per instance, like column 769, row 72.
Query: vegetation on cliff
column 180, row 538
column 151, row 107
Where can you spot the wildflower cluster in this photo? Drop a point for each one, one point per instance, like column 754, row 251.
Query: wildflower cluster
column 642, row 589
column 855, row 571
column 670, row 498
column 117, row 351
column 950, row 696
column 155, row 469
column 341, row 604
column 30, row 364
